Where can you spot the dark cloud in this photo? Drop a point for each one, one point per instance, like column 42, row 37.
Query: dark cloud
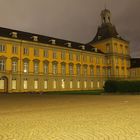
column 75, row 20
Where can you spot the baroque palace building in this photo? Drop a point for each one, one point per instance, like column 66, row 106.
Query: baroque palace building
column 35, row 63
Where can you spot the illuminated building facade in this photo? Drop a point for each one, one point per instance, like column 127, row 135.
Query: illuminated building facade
column 35, row 63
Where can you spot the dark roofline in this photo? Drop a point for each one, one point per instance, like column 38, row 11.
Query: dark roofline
column 21, row 35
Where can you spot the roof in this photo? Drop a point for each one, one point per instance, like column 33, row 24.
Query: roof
column 135, row 63
column 21, row 35
column 106, row 31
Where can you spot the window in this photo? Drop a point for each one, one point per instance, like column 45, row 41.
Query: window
column 46, row 68
column 70, row 56
column 104, row 71
column 54, row 55
column 91, row 59
column 25, row 66
column 36, row 67
column 62, row 55
column 117, row 61
column 98, row 84
column 25, row 84
column 36, row 52
column 54, row 84
column 45, row 84
column 123, row 72
column 107, row 48
column 117, row 71
column 71, row 69
column 14, row 49
column 2, row 65
column 85, row 84
column 14, row 65
column 97, row 60
column 109, row 72
column 84, row 58
column 1, row 84
column 46, row 53
column 78, row 69
column 63, row 83
column 71, row 84
column 91, row 84
column 98, row 71
column 14, row 84
column 63, row 69
column 85, row 70
column 91, row 71
column 26, row 51
column 2, row 48
column 116, row 48
column 78, row 84
column 54, row 68
column 35, row 84
column 78, row 57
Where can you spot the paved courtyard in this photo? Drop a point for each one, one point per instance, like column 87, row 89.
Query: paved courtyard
column 69, row 117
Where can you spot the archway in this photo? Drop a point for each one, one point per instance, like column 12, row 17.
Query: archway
column 4, row 84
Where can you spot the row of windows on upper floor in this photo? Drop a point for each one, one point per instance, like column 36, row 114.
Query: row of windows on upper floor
column 117, row 48
column 55, row 54
column 80, row 70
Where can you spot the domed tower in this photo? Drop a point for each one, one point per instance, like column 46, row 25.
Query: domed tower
column 116, row 49
column 105, row 16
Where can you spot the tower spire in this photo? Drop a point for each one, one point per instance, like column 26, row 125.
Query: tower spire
column 106, row 16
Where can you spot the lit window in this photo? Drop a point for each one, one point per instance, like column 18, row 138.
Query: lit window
column 85, row 84
column 78, row 84
column 71, row 84
column 2, row 48
column 1, row 84
column 25, row 84
column 54, row 84
column 91, row 84
column 45, row 84
column 63, row 83
column 14, row 84
column 98, row 84
column 25, row 66
column 35, row 84
column 2, row 65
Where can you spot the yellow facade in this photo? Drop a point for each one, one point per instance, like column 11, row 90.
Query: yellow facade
column 35, row 63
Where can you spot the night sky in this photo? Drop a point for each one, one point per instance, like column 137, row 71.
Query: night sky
column 75, row 20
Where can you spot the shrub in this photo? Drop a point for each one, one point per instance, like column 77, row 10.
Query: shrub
column 122, row 86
